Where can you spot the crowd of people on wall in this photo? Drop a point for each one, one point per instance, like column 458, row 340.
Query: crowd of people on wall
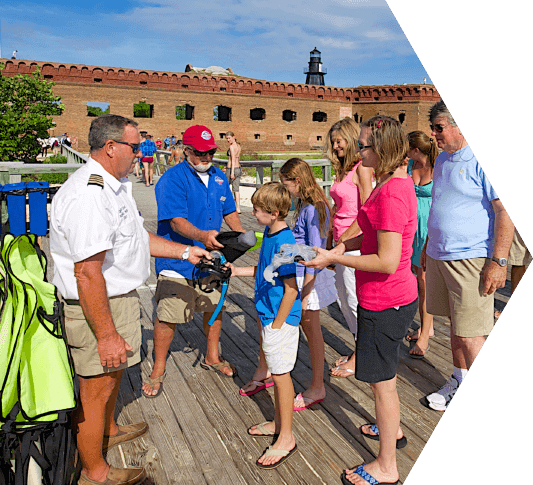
column 415, row 226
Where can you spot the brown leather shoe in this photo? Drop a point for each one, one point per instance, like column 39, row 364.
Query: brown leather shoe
column 117, row 476
column 125, row 433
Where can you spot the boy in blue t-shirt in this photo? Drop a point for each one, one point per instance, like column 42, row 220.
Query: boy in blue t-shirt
column 279, row 311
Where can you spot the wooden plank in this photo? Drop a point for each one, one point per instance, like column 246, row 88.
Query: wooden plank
column 203, row 439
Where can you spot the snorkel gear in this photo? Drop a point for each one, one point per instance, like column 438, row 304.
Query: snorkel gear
column 289, row 253
column 235, row 245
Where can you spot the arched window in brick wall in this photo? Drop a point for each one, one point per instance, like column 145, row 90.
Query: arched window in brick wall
column 257, row 114
column 222, row 113
column 288, row 115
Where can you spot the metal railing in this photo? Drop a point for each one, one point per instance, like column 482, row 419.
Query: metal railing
column 162, row 156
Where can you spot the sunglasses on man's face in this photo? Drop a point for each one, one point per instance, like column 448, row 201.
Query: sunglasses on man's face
column 198, row 153
column 438, row 128
column 134, row 146
column 361, row 146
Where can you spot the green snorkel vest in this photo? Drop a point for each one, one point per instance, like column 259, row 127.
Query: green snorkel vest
column 36, row 372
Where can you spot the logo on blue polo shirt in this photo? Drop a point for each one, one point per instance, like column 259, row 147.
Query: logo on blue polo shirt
column 218, row 180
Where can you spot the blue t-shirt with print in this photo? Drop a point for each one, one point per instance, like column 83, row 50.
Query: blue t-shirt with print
column 268, row 296
column 148, row 148
column 461, row 218
column 181, row 193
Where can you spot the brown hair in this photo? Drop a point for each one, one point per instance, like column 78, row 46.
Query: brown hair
column 309, row 191
column 389, row 141
column 426, row 145
column 349, row 131
column 273, row 196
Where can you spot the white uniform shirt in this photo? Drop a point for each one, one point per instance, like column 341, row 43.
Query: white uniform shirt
column 87, row 219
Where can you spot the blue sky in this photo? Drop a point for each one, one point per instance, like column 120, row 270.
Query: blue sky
column 361, row 41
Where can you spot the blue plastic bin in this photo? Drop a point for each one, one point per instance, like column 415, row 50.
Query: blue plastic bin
column 15, row 195
column 37, row 195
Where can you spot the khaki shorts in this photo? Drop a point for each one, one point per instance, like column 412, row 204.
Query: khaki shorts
column 519, row 254
column 177, row 299
column 454, row 289
column 126, row 314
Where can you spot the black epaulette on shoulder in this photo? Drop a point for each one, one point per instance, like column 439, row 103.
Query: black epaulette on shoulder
column 96, row 180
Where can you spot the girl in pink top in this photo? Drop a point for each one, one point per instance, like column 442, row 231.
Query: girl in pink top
column 386, row 288
column 353, row 184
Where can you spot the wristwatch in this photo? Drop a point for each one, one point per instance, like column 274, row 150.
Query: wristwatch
column 185, row 255
column 501, row 261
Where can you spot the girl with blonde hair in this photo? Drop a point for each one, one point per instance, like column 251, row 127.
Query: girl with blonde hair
column 317, row 287
column 352, row 187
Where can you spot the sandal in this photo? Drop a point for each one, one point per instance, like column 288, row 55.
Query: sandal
column 262, row 429
column 418, row 356
column 307, row 402
column 400, row 443
column 151, row 382
column 273, row 452
column 218, row 367
column 259, row 386
column 365, row 476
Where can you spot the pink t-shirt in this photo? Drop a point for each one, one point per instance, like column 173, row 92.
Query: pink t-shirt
column 345, row 194
column 392, row 207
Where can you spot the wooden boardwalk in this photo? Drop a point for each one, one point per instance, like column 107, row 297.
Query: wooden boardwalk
column 198, row 425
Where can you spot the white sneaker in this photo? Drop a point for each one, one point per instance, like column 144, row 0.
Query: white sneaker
column 439, row 400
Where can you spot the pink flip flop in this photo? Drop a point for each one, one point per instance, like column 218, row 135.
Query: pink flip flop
column 259, row 386
column 308, row 402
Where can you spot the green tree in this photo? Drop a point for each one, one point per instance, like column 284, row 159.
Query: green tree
column 27, row 104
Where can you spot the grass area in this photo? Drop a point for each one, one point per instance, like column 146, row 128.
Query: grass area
column 52, row 178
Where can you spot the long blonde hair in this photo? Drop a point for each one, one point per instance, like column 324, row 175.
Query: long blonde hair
column 349, row 131
column 310, row 192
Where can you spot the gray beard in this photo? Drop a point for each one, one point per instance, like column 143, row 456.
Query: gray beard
column 201, row 168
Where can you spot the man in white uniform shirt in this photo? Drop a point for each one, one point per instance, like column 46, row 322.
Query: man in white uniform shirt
column 101, row 254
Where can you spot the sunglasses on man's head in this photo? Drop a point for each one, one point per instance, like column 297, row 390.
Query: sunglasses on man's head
column 134, row 146
column 198, row 153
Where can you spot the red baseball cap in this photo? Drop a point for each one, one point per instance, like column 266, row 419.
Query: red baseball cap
column 199, row 137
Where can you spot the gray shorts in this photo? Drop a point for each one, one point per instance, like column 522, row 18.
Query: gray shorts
column 236, row 182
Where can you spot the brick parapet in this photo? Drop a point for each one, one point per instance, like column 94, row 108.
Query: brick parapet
column 188, row 81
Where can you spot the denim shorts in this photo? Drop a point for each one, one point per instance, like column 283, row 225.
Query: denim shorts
column 379, row 336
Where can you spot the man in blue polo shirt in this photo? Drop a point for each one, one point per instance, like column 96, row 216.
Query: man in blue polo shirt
column 193, row 199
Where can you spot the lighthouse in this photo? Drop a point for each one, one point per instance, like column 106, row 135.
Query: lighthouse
column 315, row 72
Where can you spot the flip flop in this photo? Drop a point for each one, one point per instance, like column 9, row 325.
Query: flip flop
column 343, row 360
column 262, row 429
column 218, row 366
column 308, row 402
column 412, row 336
column 365, row 476
column 273, row 452
column 400, row 443
column 157, row 380
column 350, row 371
column 418, row 356
column 259, row 386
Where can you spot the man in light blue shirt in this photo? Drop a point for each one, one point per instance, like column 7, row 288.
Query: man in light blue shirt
column 469, row 237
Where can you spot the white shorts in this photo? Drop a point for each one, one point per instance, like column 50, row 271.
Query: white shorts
column 323, row 293
column 347, row 300
column 280, row 347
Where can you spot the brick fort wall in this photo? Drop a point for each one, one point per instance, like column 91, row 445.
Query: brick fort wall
column 309, row 110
